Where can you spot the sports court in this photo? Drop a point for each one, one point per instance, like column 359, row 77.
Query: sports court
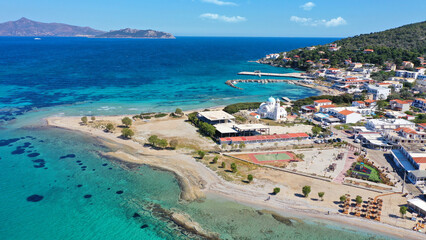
column 272, row 157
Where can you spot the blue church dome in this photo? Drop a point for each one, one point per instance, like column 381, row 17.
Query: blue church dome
column 271, row 100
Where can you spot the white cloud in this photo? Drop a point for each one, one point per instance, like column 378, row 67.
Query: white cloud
column 214, row 16
column 220, row 3
column 308, row 6
column 334, row 22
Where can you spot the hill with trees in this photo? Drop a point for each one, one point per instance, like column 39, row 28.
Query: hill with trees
column 405, row 43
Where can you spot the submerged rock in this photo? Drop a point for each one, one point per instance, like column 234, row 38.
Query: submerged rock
column 33, row 154
column 144, row 226
column 68, row 156
column 34, row 198
column 5, row 142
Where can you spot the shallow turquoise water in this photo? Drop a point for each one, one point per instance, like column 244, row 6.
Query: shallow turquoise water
column 67, row 76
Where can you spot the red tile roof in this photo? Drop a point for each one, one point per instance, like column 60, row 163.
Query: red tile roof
column 254, row 114
column 322, row 101
column 368, row 50
column 419, row 159
column 406, row 130
column 329, row 106
column 265, row 137
column 421, row 100
column 345, row 112
column 333, row 69
column 369, row 101
column 401, row 101
column 360, row 102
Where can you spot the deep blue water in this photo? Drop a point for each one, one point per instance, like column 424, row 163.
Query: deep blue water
column 82, row 195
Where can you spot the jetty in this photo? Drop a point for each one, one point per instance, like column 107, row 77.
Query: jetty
column 232, row 83
column 260, row 74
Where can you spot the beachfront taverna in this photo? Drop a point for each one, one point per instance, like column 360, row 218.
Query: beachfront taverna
column 272, row 109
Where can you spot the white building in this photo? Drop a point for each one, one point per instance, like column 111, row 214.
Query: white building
column 378, row 125
column 347, row 116
column 379, row 92
column 420, row 103
column 406, row 74
column 272, row 109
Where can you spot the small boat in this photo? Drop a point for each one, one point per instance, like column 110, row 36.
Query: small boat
column 37, row 38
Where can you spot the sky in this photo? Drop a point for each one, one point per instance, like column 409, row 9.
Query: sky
column 247, row 18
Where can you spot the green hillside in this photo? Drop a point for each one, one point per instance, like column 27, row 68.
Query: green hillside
column 405, row 43
column 409, row 37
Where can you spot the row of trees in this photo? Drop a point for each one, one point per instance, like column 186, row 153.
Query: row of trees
column 204, row 128
column 85, row 120
column 234, row 108
column 155, row 141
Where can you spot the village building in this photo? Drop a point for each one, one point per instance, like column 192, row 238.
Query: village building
column 379, row 92
column 400, row 105
column 405, row 135
column 382, row 125
column 407, row 64
column 420, row 103
column 368, row 50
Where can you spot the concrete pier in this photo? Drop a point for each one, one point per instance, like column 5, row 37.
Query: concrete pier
column 260, row 74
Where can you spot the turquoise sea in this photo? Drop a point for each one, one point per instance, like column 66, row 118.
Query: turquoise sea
column 56, row 185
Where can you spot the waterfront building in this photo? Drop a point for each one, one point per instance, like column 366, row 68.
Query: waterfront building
column 412, row 159
column 215, row 117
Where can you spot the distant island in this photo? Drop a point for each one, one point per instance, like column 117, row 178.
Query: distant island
column 28, row 28
column 135, row 33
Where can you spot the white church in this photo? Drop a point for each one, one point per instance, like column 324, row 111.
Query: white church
column 272, row 109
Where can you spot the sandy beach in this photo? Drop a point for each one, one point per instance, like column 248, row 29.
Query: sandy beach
column 197, row 181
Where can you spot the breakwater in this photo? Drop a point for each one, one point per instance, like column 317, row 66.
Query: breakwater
column 232, row 83
column 260, row 74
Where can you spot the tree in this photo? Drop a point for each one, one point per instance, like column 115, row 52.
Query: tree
column 234, row 167
column 300, row 156
column 127, row 132
column 321, row 195
column 178, row 111
column 110, row 127
column 201, row 154
column 242, row 145
column 276, row 190
column 343, row 198
column 215, row 159
column 316, row 130
column 306, row 190
column 162, row 143
column 250, row 177
column 153, row 140
column 93, row 118
column 403, row 211
column 173, row 143
column 127, row 121
column 84, row 120
column 358, row 199
column 223, row 165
